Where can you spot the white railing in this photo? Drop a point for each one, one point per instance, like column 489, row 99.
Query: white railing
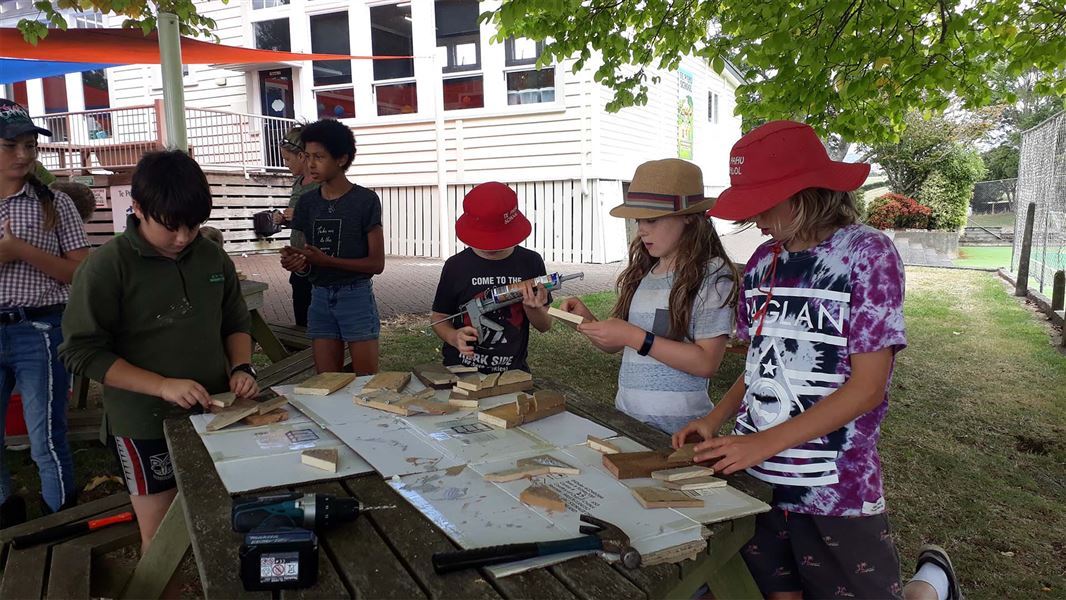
column 116, row 138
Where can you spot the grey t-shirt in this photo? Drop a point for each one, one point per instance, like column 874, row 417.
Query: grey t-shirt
column 649, row 390
column 338, row 228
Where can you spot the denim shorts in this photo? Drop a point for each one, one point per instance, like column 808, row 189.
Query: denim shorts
column 345, row 312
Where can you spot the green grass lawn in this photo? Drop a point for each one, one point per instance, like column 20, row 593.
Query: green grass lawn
column 991, row 257
column 1005, row 219
column 972, row 447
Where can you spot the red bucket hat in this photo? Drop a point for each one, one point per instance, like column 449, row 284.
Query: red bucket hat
column 774, row 162
column 491, row 219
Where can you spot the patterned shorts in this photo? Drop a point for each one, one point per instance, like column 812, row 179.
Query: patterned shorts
column 824, row 557
column 146, row 465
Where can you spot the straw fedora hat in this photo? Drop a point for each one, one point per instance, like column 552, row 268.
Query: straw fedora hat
column 662, row 188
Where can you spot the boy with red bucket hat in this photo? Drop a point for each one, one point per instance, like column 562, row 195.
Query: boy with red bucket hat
column 493, row 227
column 822, row 304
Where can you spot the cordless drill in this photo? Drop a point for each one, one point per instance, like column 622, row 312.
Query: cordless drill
column 280, row 549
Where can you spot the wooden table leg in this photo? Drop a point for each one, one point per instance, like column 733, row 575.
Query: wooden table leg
column 721, row 566
column 158, row 565
column 80, row 392
column 733, row 580
column 262, row 334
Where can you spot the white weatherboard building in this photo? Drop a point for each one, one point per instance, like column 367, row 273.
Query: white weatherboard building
column 544, row 132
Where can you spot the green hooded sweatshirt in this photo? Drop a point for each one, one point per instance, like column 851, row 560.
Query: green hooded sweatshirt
column 167, row 316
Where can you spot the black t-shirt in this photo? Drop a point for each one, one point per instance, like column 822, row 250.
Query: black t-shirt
column 466, row 276
column 338, row 228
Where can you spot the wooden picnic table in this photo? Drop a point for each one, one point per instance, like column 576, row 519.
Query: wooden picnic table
column 386, row 553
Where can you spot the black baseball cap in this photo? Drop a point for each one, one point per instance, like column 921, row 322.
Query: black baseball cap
column 15, row 121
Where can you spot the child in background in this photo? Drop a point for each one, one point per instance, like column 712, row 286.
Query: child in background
column 345, row 248
column 822, row 304
column 80, row 194
column 493, row 227
column 213, row 234
column 675, row 299
column 157, row 316
column 42, row 241
column 292, row 153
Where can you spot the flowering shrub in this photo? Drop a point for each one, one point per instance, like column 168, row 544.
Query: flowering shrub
column 895, row 211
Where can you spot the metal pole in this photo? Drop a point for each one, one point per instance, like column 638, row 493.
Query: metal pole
column 1021, row 287
column 446, row 226
column 173, row 83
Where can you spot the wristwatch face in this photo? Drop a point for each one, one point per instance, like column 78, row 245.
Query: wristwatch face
column 247, row 368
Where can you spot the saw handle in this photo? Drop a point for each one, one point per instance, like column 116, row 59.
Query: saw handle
column 446, row 562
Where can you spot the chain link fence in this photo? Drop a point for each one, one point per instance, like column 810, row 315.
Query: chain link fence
column 1042, row 181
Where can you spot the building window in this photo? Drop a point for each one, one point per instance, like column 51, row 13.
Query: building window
column 395, row 90
column 257, row 4
column 334, row 95
column 272, row 35
column 21, row 94
column 338, row 103
column 95, row 91
column 459, row 46
column 526, row 85
column 712, row 107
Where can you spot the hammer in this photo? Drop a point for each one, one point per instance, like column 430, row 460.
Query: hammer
column 599, row 535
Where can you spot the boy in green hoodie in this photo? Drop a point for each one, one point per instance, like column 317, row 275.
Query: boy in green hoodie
column 157, row 316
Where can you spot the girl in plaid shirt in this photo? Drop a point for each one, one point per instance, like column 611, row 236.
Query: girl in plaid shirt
column 42, row 240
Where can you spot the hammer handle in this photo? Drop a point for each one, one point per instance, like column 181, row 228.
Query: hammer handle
column 446, row 562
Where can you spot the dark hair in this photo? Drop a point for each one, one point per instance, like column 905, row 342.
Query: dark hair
column 171, row 189
column 80, row 194
column 335, row 136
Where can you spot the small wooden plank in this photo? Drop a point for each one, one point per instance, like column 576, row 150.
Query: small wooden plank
column 435, row 375
column 554, row 465
column 320, row 458
column 524, row 409
column 258, row 419
column 415, row 539
column 364, row 562
column 457, row 369
column 241, row 409
column 24, row 572
column 388, row 380
column 680, row 473
column 158, row 564
column 696, row 483
column 272, row 404
column 657, row 497
column 601, row 445
column 684, row 454
column 544, row 497
column 632, row 465
column 514, row 376
column 569, row 319
column 517, row 473
column 324, row 384
column 469, row 381
column 490, row 380
column 223, row 400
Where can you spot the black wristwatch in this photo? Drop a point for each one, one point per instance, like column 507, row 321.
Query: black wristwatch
column 649, row 339
column 245, row 368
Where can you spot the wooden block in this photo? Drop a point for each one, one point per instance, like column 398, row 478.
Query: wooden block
column 696, row 483
column 682, row 473
column 514, row 376
column 631, row 465
column 432, row 407
column 388, row 380
column 657, row 497
column 554, row 465
column 276, row 416
column 602, row 446
column 461, row 369
column 470, row 381
column 320, row 458
column 325, row 384
column 543, row 497
column 490, row 380
column 463, row 400
column 483, row 392
column 272, row 404
column 385, row 400
column 685, row 453
column 435, row 375
column 566, row 318
column 241, row 408
column 544, row 403
column 517, row 473
column 223, row 400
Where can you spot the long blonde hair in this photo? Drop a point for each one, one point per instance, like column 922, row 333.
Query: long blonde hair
column 699, row 244
column 818, row 209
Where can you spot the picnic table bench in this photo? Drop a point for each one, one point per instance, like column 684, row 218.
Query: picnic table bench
column 386, row 553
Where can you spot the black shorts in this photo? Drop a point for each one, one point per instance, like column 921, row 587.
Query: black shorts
column 145, row 463
column 824, row 557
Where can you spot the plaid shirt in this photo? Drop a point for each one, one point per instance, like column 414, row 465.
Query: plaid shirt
column 22, row 284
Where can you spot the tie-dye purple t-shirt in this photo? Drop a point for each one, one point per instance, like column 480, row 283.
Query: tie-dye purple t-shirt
column 842, row 297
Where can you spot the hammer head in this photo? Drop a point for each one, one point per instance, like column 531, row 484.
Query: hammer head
column 613, row 538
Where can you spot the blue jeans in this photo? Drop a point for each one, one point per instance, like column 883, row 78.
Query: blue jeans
column 28, row 359
column 344, row 312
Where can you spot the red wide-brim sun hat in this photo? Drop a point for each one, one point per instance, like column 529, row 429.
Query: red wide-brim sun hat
column 491, row 220
column 774, row 162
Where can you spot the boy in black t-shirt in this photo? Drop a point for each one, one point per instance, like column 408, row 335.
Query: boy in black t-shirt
column 345, row 247
column 493, row 227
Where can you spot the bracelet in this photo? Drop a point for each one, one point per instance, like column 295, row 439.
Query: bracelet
column 645, row 348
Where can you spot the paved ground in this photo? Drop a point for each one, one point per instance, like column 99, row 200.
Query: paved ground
column 408, row 284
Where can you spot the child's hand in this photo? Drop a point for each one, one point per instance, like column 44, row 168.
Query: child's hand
column 534, row 298
column 293, row 260
column 734, row 453
column 699, row 428
column 186, row 393
column 314, row 256
column 576, row 306
column 243, row 385
column 461, row 340
column 287, row 215
column 278, row 217
column 612, row 333
column 10, row 245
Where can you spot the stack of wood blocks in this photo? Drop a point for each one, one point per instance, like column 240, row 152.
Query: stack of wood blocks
column 385, row 392
column 471, row 387
column 524, row 409
column 265, row 409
